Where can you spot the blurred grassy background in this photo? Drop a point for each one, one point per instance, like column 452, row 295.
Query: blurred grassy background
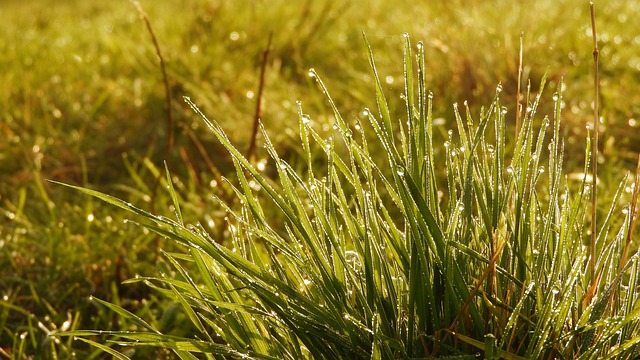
column 82, row 102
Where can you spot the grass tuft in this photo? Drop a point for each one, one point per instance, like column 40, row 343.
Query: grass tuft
column 424, row 248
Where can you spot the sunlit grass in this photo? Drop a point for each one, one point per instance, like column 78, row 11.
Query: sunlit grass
column 373, row 256
column 81, row 84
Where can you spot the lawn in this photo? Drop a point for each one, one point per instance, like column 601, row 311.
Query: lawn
column 83, row 102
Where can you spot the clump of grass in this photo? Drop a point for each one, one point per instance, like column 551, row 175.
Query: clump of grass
column 374, row 255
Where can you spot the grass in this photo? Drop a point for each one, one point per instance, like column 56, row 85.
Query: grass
column 492, row 261
column 80, row 89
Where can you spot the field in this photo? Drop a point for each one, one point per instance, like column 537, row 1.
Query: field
column 83, row 102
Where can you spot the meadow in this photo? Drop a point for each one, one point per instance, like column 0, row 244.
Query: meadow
column 84, row 103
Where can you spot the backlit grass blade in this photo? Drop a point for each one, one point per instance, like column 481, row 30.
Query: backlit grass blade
column 116, row 354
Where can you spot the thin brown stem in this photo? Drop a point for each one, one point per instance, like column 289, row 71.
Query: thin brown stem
column 167, row 89
column 201, row 150
column 258, row 115
column 633, row 219
column 480, row 281
column 596, row 123
column 614, row 298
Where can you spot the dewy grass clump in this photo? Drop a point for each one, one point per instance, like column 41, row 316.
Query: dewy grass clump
column 406, row 253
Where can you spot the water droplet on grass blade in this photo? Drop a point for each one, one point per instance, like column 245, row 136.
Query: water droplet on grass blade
column 262, row 164
column 312, row 73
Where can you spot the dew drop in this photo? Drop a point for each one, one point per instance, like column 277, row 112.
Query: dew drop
column 499, row 88
column 312, row 73
column 400, row 170
column 262, row 164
